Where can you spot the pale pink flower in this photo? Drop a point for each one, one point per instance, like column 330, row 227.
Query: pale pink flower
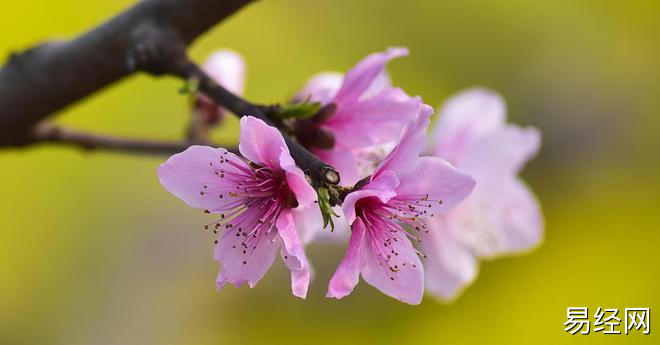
column 259, row 201
column 387, row 211
column 369, row 116
column 501, row 215
column 228, row 69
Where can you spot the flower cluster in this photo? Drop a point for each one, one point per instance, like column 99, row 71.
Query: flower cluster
column 417, row 214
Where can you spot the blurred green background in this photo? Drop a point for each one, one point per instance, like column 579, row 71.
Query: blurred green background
column 94, row 251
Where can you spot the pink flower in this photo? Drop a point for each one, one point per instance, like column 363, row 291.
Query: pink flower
column 501, row 215
column 259, row 203
column 369, row 115
column 227, row 68
column 403, row 189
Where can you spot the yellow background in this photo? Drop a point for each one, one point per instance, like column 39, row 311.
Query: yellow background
column 94, row 251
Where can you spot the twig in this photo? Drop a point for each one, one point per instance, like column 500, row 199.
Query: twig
column 50, row 133
column 37, row 83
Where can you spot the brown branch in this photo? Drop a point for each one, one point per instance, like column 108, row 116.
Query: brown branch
column 37, row 83
column 152, row 36
column 49, row 133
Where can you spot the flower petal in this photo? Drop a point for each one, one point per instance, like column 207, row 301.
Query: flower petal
column 444, row 185
column 380, row 83
column 502, row 153
column 310, row 226
column 309, row 222
column 450, row 265
column 347, row 274
column 381, row 187
column 227, row 68
column 465, row 119
column 260, row 142
column 241, row 263
column 412, row 142
column 360, row 78
column 321, row 88
column 397, row 273
column 293, row 254
column 295, row 179
column 368, row 158
column 391, row 109
column 499, row 217
column 194, row 176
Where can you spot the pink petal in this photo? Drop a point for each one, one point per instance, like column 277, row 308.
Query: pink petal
column 501, row 153
column 227, row 68
column 368, row 158
column 309, row 222
column 360, row 78
column 412, row 142
column 445, row 185
column 391, row 109
column 191, row 176
column 347, row 274
column 450, row 265
column 321, row 88
column 237, row 267
column 500, row 217
column 295, row 179
column 310, row 226
column 260, row 142
column 341, row 159
column 293, row 254
column 465, row 119
column 407, row 282
column 381, row 187
column 380, row 83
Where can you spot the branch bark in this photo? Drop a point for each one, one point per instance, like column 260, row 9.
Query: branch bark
column 43, row 80
column 152, row 36
column 48, row 133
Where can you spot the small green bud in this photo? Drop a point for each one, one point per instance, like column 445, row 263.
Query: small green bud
column 326, row 208
column 189, row 87
column 302, row 110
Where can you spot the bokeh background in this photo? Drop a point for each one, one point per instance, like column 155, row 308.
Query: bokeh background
column 94, row 251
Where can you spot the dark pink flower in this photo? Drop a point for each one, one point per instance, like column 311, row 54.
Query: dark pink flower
column 259, row 201
column 369, row 115
column 387, row 212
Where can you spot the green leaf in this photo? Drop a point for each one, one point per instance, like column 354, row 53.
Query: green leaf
column 190, row 87
column 326, row 208
column 298, row 110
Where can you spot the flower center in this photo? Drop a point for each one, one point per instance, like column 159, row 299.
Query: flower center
column 258, row 196
column 367, row 159
column 387, row 225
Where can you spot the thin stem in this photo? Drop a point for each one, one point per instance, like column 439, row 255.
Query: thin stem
column 35, row 84
column 50, row 133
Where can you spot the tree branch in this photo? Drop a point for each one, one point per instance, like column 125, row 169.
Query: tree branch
column 49, row 133
column 152, row 36
column 39, row 82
